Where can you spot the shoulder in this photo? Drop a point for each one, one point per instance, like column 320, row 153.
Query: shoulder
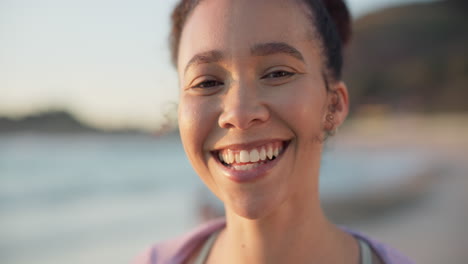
column 386, row 253
column 175, row 251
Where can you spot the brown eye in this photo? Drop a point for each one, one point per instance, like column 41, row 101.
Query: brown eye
column 278, row 74
column 208, row 84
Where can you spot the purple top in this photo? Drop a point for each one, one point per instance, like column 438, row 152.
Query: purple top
column 177, row 250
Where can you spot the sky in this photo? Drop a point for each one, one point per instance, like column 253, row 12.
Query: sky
column 107, row 61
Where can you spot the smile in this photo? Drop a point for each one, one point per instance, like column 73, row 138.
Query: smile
column 249, row 159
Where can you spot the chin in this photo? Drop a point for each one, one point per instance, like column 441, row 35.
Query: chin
column 253, row 208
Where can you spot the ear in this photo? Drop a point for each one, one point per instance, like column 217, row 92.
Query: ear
column 338, row 99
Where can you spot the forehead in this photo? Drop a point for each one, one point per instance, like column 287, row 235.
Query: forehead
column 234, row 26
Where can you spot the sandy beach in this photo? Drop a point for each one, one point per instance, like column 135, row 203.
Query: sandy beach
column 433, row 229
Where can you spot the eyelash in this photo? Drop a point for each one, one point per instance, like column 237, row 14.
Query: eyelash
column 282, row 74
column 274, row 75
column 208, row 84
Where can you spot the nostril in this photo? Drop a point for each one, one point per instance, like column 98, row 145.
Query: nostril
column 243, row 117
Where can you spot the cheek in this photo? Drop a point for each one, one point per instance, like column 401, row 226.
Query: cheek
column 301, row 106
column 196, row 120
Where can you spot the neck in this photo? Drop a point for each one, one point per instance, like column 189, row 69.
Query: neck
column 291, row 234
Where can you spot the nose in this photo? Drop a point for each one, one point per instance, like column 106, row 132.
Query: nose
column 242, row 108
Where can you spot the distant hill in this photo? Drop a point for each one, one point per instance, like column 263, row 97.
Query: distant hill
column 51, row 122
column 411, row 58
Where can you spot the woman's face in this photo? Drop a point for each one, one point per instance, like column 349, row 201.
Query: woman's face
column 253, row 102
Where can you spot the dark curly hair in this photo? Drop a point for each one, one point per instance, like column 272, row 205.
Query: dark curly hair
column 331, row 19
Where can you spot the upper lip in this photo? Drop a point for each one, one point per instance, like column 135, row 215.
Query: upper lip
column 249, row 145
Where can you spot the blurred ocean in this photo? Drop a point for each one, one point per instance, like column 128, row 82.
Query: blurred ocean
column 104, row 198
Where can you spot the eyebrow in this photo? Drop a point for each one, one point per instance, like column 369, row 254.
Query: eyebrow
column 262, row 49
column 271, row 48
column 212, row 56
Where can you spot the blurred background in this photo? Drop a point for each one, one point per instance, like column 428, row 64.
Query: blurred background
column 92, row 169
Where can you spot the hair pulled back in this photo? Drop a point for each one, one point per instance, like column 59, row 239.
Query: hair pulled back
column 331, row 19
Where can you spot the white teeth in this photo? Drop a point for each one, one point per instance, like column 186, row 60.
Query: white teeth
column 276, row 152
column 245, row 167
column 230, row 157
column 263, row 154
column 244, row 156
column 254, row 156
column 269, row 152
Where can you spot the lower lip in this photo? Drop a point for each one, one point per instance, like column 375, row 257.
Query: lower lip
column 251, row 175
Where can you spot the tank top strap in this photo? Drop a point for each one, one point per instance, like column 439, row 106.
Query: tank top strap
column 366, row 253
column 205, row 250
